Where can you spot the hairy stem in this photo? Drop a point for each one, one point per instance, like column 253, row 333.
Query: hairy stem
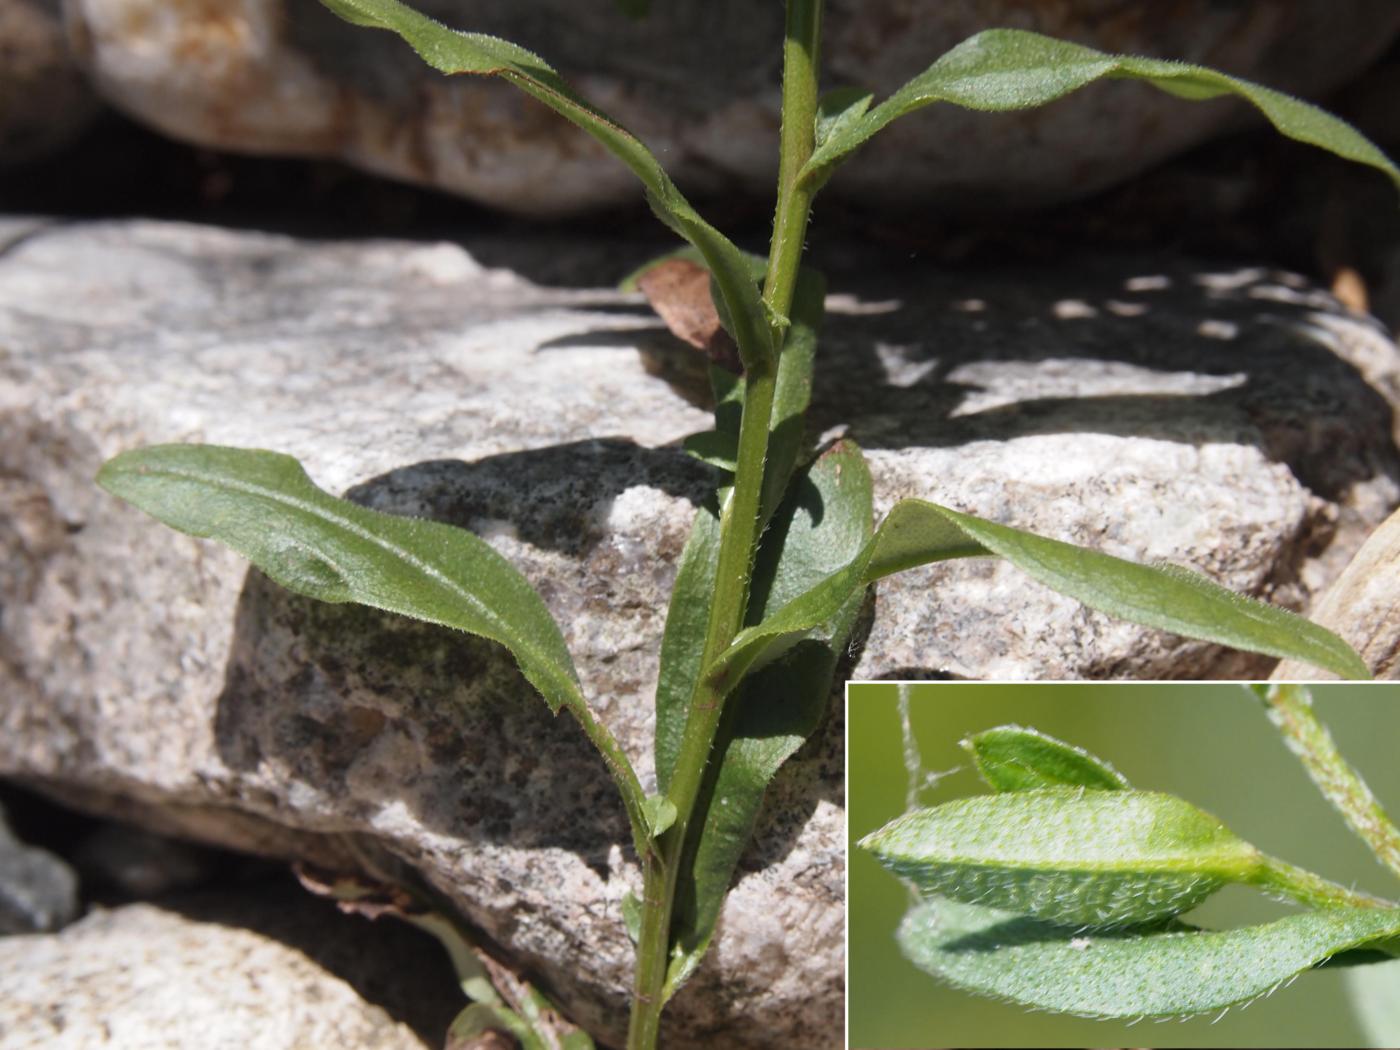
column 1290, row 709
column 1311, row 889
column 740, row 527
column 801, row 57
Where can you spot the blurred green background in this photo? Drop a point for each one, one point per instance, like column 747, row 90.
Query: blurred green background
column 1210, row 744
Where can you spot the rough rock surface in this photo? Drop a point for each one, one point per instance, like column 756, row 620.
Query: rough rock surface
column 155, row 978
column 38, row 891
column 1229, row 419
column 45, row 101
column 270, row 76
column 1362, row 606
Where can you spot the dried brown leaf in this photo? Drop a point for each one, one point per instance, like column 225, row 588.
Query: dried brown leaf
column 679, row 291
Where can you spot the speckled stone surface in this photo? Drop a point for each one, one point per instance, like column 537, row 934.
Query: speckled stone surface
column 1229, row 419
column 145, row 977
column 699, row 82
column 1362, row 606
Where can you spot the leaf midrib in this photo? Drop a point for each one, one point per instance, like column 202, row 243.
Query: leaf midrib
column 347, row 524
column 1178, row 864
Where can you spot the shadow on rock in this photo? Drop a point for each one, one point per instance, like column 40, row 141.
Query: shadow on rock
column 407, row 728
column 366, row 721
column 1176, row 354
column 389, row 963
column 555, row 498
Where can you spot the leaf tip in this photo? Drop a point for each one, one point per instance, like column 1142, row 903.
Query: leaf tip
column 660, row 814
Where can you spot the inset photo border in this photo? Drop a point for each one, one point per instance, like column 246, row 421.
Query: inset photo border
column 1190, row 782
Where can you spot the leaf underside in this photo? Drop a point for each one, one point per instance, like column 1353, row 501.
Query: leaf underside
column 1168, row 972
column 999, row 70
column 1067, row 855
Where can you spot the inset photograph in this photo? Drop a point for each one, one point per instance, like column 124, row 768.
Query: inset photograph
column 1061, row 864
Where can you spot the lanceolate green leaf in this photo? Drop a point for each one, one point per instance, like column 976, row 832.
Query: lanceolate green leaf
column 793, row 390
column 1174, row 971
column 826, row 518
column 1071, row 856
column 660, row 813
column 683, row 640
column 839, row 112
column 1166, row 597
column 263, row 505
column 1013, row 758
column 450, row 51
column 687, row 618
column 1009, row 69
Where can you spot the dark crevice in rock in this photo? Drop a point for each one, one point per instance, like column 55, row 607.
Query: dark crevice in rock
column 390, row 964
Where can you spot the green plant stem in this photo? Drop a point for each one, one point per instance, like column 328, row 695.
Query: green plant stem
column 738, row 540
column 740, row 527
column 1290, row 709
column 801, row 59
column 1312, row 889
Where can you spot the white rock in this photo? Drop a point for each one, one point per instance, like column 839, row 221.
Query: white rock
column 699, row 83
column 1362, row 606
column 147, row 672
column 143, row 978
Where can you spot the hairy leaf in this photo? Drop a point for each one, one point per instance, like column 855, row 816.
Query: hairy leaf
column 264, row 506
column 839, row 112
column 792, row 390
column 660, row 813
column 1070, row 856
column 1167, row 597
column 632, row 915
column 450, row 51
column 1173, row 971
column 683, row 642
column 1010, row 69
column 826, row 517
column 719, row 449
column 1014, row 758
